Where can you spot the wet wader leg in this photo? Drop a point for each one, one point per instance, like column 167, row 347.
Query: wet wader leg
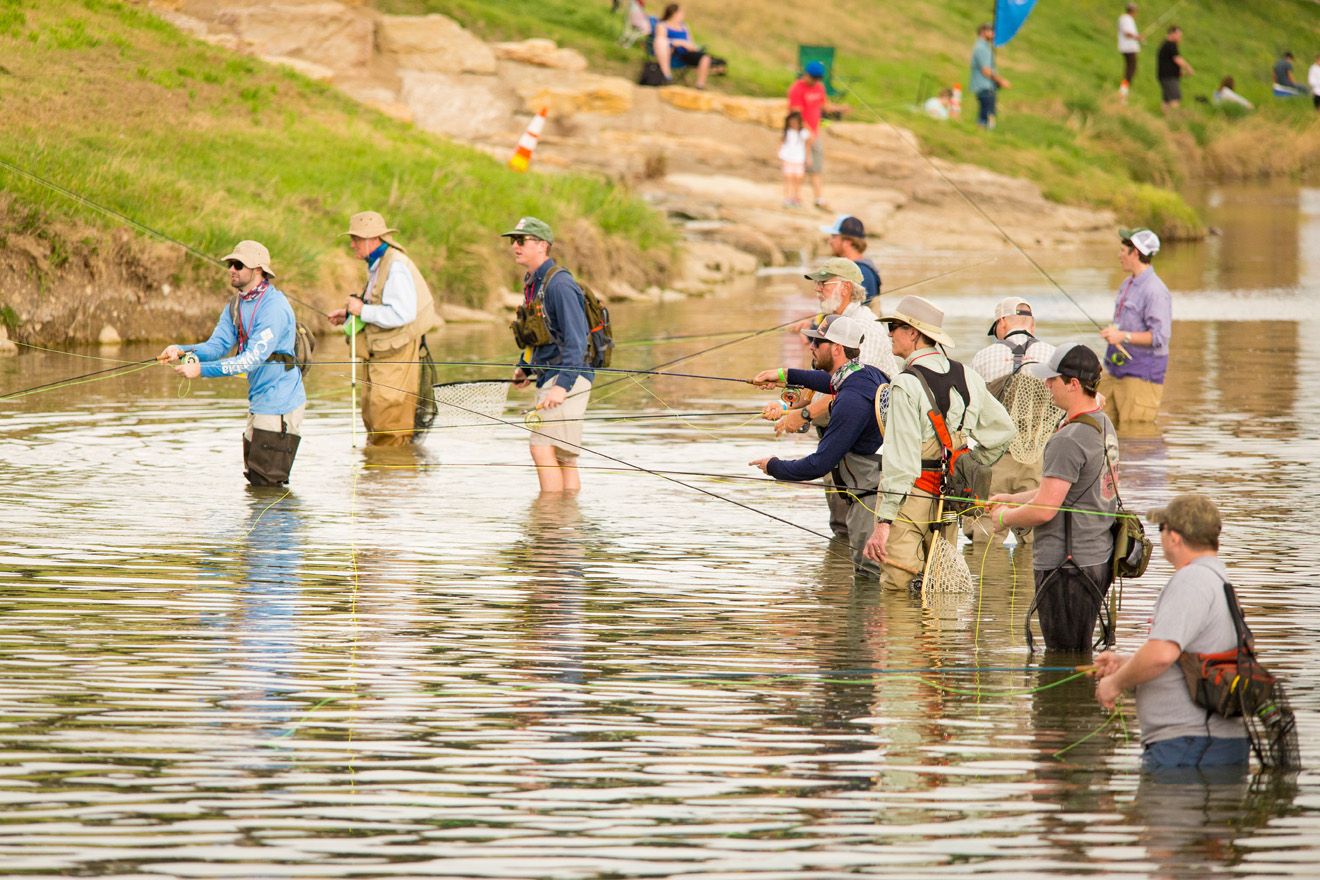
column 389, row 403
column 1068, row 601
column 268, row 455
column 908, row 538
column 861, row 523
column 840, row 521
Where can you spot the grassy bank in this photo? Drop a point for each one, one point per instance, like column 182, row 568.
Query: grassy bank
column 1061, row 124
column 209, row 147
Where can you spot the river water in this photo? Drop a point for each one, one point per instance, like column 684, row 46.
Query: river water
column 411, row 665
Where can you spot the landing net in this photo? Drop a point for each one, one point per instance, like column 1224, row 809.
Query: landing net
column 946, row 569
column 1273, row 730
column 1034, row 414
column 461, row 406
column 882, row 406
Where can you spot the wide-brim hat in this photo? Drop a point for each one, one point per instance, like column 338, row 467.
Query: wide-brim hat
column 924, row 315
column 252, row 254
column 369, row 224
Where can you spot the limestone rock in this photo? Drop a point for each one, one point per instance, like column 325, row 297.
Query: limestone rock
column 309, row 69
column 750, row 240
column 459, row 105
column 763, row 111
column 456, row 314
column 109, row 336
column 7, row 348
column 710, row 262
column 433, row 44
column 564, row 92
column 542, row 53
column 332, row 34
column 622, row 291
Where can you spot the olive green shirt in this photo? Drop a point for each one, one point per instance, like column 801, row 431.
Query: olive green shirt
column 908, row 428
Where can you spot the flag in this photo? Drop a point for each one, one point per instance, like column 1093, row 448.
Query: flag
column 1010, row 15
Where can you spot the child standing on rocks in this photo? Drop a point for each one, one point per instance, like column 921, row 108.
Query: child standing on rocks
column 793, row 153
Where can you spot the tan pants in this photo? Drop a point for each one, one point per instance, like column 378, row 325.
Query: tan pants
column 1008, row 477
column 291, row 422
column 1130, row 401
column 389, row 396
column 908, row 536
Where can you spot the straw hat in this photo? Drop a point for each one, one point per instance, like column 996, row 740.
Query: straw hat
column 369, row 224
column 923, row 315
column 252, row 254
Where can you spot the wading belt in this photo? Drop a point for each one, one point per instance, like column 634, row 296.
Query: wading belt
column 938, row 387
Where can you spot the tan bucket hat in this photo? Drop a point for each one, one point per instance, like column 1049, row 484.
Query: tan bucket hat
column 922, row 314
column 252, row 254
column 369, row 224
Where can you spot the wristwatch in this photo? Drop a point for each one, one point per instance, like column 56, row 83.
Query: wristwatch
column 884, row 522
column 1127, row 338
column 806, row 415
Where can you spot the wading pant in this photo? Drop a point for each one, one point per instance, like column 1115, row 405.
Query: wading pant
column 1130, row 401
column 1068, row 604
column 389, row 396
column 270, row 444
column 908, row 536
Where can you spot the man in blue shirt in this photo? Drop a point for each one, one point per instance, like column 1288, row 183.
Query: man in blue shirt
column 985, row 80
column 848, row 240
column 260, row 324
column 847, row 449
column 554, row 318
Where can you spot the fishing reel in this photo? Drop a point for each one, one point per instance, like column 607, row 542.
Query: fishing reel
column 189, row 357
column 792, row 394
column 532, row 419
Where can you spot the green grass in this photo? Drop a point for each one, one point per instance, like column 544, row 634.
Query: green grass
column 209, row 148
column 1060, row 125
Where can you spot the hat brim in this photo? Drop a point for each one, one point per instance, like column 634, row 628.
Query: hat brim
column 380, row 234
column 1157, row 515
column 270, row 273
column 1043, row 371
column 925, row 329
column 832, row 229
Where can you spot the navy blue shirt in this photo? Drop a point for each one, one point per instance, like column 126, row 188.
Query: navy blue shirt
column 852, row 426
column 870, row 278
column 565, row 310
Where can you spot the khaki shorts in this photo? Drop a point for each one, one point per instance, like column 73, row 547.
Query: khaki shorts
column 1130, row 401
column 292, row 422
column 816, row 164
column 561, row 427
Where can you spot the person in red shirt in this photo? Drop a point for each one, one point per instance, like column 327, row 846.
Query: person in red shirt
column 807, row 96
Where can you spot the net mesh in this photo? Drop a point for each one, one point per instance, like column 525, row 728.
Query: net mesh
column 424, row 416
column 470, row 410
column 1273, row 730
column 946, row 569
column 882, row 406
column 1034, row 415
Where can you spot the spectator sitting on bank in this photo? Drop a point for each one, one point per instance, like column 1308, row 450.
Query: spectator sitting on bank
column 673, row 43
column 937, row 106
column 1225, row 94
column 1284, row 84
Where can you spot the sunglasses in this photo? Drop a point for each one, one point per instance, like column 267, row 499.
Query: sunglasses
column 897, row 325
column 235, row 265
column 817, row 343
column 1164, row 527
column 521, row 239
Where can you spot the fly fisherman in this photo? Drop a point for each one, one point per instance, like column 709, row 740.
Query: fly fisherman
column 934, row 405
column 1015, row 347
column 393, row 313
column 847, row 449
column 260, row 323
column 554, row 320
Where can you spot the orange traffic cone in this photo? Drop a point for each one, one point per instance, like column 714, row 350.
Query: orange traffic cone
column 522, row 156
column 955, row 106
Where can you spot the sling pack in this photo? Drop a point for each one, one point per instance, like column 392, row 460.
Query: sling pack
column 532, row 330
column 304, row 343
column 1233, row 684
column 937, row 474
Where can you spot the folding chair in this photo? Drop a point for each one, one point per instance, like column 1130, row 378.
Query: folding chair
column 825, row 55
column 636, row 24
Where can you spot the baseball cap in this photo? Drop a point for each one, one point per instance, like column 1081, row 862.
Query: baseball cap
column 533, row 227
column 837, row 267
column 1071, row 361
column 1195, row 517
column 845, row 225
column 1142, row 239
column 816, row 69
column 838, row 328
column 1007, row 308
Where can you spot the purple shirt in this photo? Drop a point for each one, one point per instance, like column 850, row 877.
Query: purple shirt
column 1144, row 304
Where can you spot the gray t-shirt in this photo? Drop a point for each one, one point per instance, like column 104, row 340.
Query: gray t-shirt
column 1192, row 612
column 1076, row 454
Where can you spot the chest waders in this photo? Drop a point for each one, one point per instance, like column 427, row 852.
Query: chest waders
column 268, row 456
column 1055, row 577
column 856, row 473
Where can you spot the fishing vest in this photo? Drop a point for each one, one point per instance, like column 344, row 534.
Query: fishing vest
column 939, row 453
column 998, row 386
column 382, row 340
column 531, row 329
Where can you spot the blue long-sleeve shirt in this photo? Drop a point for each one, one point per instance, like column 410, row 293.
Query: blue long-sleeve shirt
column 566, row 314
column 852, row 426
column 270, row 327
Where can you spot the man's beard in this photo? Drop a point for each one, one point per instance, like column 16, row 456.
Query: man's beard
column 831, row 303
column 822, row 359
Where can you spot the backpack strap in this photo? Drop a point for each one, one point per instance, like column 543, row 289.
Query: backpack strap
column 1019, row 351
